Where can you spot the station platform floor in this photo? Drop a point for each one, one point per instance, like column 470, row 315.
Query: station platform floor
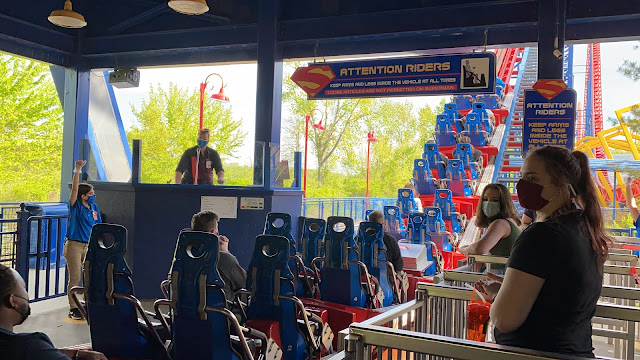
column 50, row 317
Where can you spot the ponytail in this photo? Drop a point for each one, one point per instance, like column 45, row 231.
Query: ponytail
column 587, row 194
column 572, row 170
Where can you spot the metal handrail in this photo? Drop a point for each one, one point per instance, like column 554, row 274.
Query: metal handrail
column 362, row 336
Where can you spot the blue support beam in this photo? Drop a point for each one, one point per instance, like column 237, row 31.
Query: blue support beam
column 551, row 31
column 269, row 87
column 76, row 124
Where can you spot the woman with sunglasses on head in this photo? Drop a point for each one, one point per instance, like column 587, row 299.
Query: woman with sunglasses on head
column 497, row 214
column 554, row 276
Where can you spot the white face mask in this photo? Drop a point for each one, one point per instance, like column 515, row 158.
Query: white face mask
column 491, row 208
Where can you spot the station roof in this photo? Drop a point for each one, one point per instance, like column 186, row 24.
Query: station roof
column 148, row 32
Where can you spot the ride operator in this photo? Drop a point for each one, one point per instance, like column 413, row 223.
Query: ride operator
column 197, row 163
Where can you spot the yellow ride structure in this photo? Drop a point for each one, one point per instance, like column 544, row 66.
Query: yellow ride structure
column 617, row 137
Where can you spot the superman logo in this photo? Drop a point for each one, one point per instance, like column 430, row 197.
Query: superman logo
column 312, row 79
column 549, row 88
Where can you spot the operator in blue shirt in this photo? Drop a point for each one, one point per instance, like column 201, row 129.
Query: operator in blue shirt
column 83, row 214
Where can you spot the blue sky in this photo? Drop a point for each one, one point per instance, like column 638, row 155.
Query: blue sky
column 617, row 90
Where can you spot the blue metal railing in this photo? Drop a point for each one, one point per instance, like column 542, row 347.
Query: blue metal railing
column 37, row 253
column 353, row 207
column 8, row 233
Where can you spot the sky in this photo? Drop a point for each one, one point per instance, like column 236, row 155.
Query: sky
column 240, row 79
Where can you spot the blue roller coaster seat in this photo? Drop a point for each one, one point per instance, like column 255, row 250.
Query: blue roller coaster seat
column 491, row 101
column 198, row 331
column 406, row 202
column 443, row 200
column 271, row 284
column 462, row 101
column 340, row 269
column 393, row 223
column 480, row 109
column 432, row 155
column 425, row 183
column 475, row 130
column 113, row 320
column 444, row 131
column 456, row 179
column 435, row 227
column 373, row 255
column 418, row 235
column 463, row 152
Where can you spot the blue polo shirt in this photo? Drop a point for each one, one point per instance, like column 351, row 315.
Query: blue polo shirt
column 81, row 220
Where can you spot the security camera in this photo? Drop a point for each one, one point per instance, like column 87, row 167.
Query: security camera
column 557, row 53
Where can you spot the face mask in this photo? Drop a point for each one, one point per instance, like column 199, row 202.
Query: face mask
column 490, row 208
column 202, row 143
column 24, row 313
column 91, row 199
column 530, row 195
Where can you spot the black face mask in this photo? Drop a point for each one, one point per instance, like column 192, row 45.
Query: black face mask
column 24, row 313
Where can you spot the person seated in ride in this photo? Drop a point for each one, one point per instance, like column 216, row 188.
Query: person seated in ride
column 631, row 204
column 233, row 275
column 416, row 196
column 393, row 250
column 548, row 296
column 528, row 218
column 497, row 214
column 14, row 310
column 441, row 157
column 477, row 154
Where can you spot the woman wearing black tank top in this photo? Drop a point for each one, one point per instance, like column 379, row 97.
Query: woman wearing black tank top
column 554, row 276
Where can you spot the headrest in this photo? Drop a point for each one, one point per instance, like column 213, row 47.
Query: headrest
column 443, row 194
column 339, row 232
column 416, row 219
column 370, row 234
column 196, row 254
column 391, row 211
column 405, row 194
column 269, row 264
column 107, row 245
column 420, row 163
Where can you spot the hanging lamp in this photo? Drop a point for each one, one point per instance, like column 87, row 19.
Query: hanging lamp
column 189, row 7
column 67, row 18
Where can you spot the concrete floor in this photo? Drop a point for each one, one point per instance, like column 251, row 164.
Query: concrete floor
column 50, row 317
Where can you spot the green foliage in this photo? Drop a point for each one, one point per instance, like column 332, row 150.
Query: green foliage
column 31, row 121
column 341, row 150
column 631, row 69
column 168, row 123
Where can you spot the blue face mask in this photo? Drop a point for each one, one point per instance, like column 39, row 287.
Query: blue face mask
column 91, row 199
column 202, row 143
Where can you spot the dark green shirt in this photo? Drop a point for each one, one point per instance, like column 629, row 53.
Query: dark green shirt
column 505, row 245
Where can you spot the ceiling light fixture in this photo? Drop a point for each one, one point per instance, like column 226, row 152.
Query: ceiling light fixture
column 67, row 18
column 189, row 7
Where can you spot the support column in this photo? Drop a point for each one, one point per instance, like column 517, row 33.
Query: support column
column 269, row 88
column 76, row 123
column 552, row 16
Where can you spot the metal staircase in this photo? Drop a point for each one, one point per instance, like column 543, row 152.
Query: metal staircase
column 509, row 159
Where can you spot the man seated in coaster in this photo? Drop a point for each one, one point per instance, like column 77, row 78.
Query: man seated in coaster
column 14, row 310
column 233, row 275
column 393, row 250
column 477, row 154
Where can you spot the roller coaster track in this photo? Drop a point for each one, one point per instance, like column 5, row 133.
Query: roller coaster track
column 507, row 163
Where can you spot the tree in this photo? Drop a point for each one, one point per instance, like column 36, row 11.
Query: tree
column 631, row 69
column 401, row 133
column 31, row 122
column 168, row 122
column 340, row 118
